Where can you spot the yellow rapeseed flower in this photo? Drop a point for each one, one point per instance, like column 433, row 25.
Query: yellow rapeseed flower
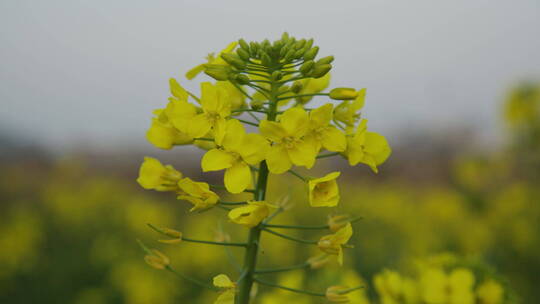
column 290, row 147
column 324, row 191
column 365, row 147
column 211, row 59
column 154, row 175
column 312, row 86
column 216, row 107
column 322, row 132
column 490, row 292
column 236, row 151
column 197, row 193
column 250, row 215
column 333, row 243
column 336, row 222
column 228, row 294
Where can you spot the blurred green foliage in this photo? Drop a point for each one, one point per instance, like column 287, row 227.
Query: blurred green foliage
column 68, row 233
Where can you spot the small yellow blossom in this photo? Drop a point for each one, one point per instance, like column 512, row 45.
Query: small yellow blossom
column 216, row 107
column 237, row 150
column 490, row 292
column 157, row 259
column 211, row 59
column 237, row 99
column 250, row 215
column 333, row 243
column 324, row 191
column 337, row 294
column 197, row 193
column 289, row 145
column 322, row 132
column 154, row 175
column 347, row 111
column 365, row 147
column 163, row 134
column 227, row 295
column 461, row 283
column 388, row 284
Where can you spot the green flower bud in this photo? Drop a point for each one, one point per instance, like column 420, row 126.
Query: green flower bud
column 297, row 87
column 266, row 60
column 310, row 55
column 243, row 54
column 300, row 44
column 299, row 53
column 241, row 79
column 307, row 67
column 234, row 60
column 277, row 75
column 253, row 48
column 285, row 37
column 290, row 55
column 218, row 72
column 343, row 93
column 243, row 45
column 283, row 51
column 309, row 43
column 256, row 104
column 320, row 70
column 325, row 60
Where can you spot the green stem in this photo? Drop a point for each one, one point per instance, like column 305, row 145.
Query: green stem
column 319, row 227
column 327, row 155
column 250, row 260
column 248, row 122
column 190, row 279
column 298, row 175
column 303, row 95
column 311, row 293
column 214, row 243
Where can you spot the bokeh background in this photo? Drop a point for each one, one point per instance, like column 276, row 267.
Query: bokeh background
column 455, row 87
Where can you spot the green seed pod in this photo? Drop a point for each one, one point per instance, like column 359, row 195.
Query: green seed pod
column 283, row 51
column 310, row 55
column 343, row 93
column 277, row 75
column 297, row 87
column 300, row 44
column 243, row 45
column 243, row 54
column 234, row 60
column 218, row 72
column 256, row 104
column 307, row 67
column 325, row 60
column 241, row 79
column 320, row 70
column 266, row 60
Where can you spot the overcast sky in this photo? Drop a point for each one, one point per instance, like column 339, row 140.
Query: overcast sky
column 91, row 71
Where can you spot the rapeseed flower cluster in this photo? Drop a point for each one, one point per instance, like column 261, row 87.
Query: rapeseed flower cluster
column 256, row 121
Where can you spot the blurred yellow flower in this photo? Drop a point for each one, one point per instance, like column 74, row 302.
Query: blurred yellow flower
column 490, row 292
column 250, row 215
column 197, row 193
column 324, row 191
column 347, row 111
column 289, row 145
column 337, row 294
column 154, row 175
column 336, row 222
column 388, row 284
column 312, row 86
column 333, row 243
column 237, row 150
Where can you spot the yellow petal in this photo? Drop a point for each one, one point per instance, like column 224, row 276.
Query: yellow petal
column 333, row 139
column 378, row 147
column 233, row 138
column 195, row 71
column 304, row 152
column 272, row 130
column 254, row 148
column 321, row 116
column 343, row 235
column 198, row 126
column 278, row 159
column 295, row 122
column 226, row 297
column 177, row 90
column 237, row 177
column 216, row 159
